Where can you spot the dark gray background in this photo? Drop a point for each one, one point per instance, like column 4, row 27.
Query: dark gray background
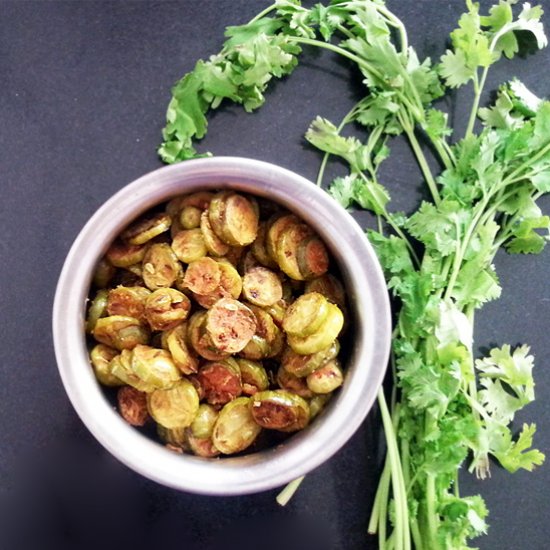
column 83, row 92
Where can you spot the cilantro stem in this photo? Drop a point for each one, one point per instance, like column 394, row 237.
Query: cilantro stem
column 401, row 531
column 421, row 159
column 263, row 13
column 478, row 88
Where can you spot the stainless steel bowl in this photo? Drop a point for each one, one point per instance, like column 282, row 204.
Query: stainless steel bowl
column 370, row 325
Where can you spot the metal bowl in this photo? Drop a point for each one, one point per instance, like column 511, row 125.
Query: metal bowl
column 369, row 340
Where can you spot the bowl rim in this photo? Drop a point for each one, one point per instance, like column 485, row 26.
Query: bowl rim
column 305, row 450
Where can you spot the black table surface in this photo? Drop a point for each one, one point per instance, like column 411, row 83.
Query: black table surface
column 83, row 93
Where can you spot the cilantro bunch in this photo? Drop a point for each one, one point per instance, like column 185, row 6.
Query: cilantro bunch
column 447, row 407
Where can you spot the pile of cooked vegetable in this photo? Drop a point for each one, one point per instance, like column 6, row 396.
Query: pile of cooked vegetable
column 216, row 317
column 448, row 408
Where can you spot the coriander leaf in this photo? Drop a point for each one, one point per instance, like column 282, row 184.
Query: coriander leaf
column 515, row 455
column 541, row 134
column 342, row 189
column 525, row 239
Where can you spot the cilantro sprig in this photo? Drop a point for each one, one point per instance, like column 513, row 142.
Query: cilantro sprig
column 447, row 408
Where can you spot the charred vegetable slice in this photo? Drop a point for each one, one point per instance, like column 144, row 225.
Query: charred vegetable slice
column 166, row 308
column 202, row 276
column 130, row 301
column 279, row 410
column 221, row 381
column 262, row 286
column 312, row 256
column 230, row 325
column 132, row 405
column 200, row 340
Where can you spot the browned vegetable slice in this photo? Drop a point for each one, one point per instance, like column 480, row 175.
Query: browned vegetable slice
column 253, row 376
column 120, row 332
column 279, row 410
column 214, row 244
column 259, row 247
column 200, row 340
column 216, row 212
column 287, row 381
column 122, row 254
column 161, row 267
column 323, row 337
column 329, row 286
column 313, row 258
column 165, row 308
column 326, row 378
column 277, row 311
column 306, row 314
column 275, row 227
column 230, row 285
column 198, row 199
column 176, row 343
column 202, row 446
column 262, row 287
column 132, row 405
column 130, row 301
column 268, row 339
column 240, row 220
column 146, row 228
column 230, row 325
column 287, row 248
column 202, row 276
column 302, row 365
column 189, row 245
column 221, row 381
column 235, row 429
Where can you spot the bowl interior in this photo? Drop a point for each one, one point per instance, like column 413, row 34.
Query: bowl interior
column 367, row 345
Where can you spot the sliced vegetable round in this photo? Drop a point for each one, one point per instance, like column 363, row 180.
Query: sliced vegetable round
column 166, row 308
column 230, row 325
column 323, row 338
column 221, row 381
column 326, row 378
column 161, row 267
column 124, row 300
column 132, row 405
column 147, row 228
column 174, row 407
column 189, row 245
column 235, row 429
column 306, row 314
column 183, row 356
column 262, row 286
column 101, row 357
column 279, row 410
column 202, row 276
column 120, row 332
